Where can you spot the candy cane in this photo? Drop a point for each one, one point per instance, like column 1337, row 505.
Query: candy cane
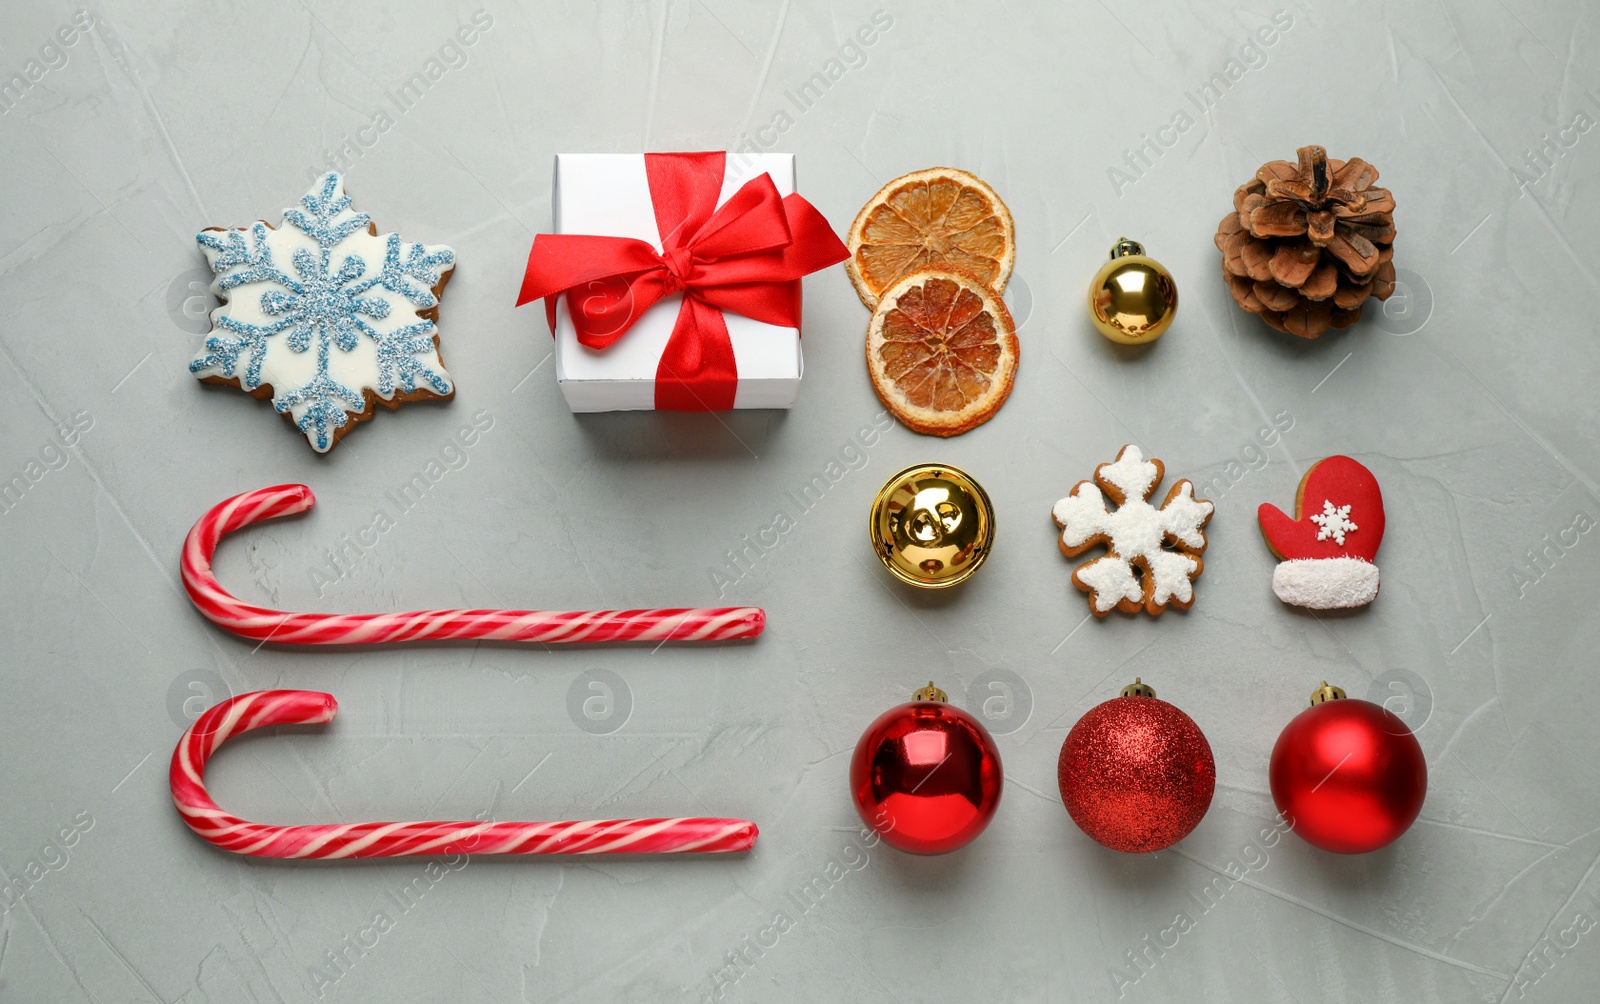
column 549, row 626
column 383, row 840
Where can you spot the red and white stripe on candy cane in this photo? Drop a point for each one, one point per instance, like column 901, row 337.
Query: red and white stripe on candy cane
column 375, row 840
column 548, row 626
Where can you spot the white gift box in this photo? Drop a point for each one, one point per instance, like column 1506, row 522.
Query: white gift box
column 608, row 195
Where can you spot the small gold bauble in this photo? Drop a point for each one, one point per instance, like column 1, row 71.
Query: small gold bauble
column 1132, row 299
column 932, row 526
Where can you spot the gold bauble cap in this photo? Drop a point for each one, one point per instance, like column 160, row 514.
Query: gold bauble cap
column 1138, row 688
column 1133, row 298
column 932, row 525
column 1326, row 693
column 930, row 693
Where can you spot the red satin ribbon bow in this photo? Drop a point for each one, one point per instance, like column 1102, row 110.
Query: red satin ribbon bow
column 747, row 257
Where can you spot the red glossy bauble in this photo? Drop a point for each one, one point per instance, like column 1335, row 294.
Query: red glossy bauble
column 1348, row 776
column 926, row 775
column 1136, row 773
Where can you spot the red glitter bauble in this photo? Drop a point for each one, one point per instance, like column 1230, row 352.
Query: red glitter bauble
column 1136, row 773
column 1348, row 776
column 926, row 776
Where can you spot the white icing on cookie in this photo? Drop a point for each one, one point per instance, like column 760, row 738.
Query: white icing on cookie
column 1326, row 583
column 324, row 312
column 1136, row 530
column 1333, row 521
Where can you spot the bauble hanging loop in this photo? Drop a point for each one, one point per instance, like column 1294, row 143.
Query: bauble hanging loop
column 1133, row 298
column 926, row 775
column 1347, row 775
column 1136, row 773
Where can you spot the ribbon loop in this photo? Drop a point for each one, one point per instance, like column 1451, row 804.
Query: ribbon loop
column 746, row 256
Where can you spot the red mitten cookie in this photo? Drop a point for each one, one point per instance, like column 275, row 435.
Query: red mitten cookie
column 1326, row 549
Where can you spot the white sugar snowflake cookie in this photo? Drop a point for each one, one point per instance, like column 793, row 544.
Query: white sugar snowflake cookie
column 1152, row 553
column 325, row 316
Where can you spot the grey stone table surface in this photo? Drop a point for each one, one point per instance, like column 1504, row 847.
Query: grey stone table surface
column 126, row 128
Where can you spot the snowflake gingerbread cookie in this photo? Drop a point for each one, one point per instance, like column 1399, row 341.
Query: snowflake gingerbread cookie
column 1326, row 549
column 1152, row 553
column 324, row 316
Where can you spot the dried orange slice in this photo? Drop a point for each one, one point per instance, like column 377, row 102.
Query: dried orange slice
column 942, row 352
column 938, row 218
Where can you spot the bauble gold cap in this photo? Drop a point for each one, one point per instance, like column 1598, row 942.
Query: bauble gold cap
column 932, row 526
column 1138, row 688
column 930, row 693
column 1326, row 693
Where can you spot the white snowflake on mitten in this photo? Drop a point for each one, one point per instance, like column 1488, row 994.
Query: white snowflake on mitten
column 1152, row 554
column 1333, row 521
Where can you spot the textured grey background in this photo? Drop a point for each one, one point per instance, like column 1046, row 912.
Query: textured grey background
column 1471, row 396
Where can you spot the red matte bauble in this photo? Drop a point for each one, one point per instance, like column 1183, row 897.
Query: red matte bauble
column 1348, row 776
column 1136, row 774
column 926, row 776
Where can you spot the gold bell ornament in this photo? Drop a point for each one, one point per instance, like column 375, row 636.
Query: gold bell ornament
column 932, row 525
column 1132, row 299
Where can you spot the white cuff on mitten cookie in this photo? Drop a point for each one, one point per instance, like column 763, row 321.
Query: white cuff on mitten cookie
column 1326, row 583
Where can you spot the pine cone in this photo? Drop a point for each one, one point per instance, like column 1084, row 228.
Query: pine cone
column 1305, row 246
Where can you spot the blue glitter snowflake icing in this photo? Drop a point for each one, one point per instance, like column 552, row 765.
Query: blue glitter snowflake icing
column 323, row 312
